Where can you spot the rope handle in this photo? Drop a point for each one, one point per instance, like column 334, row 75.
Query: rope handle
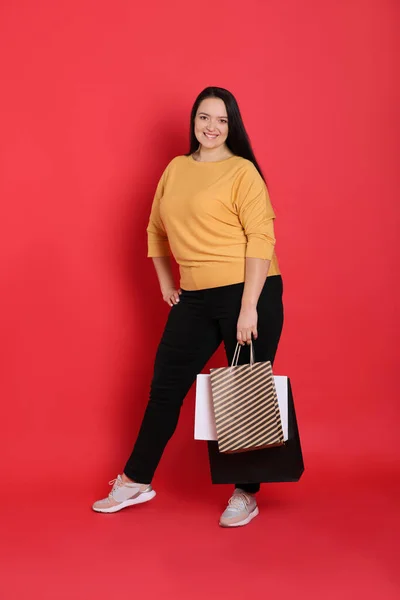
column 235, row 359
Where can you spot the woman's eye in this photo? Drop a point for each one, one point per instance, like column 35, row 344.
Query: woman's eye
column 224, row 121
column 202, row 117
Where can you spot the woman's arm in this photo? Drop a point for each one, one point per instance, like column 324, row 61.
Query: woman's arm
column 257, row 218
column 158, row 248
column 256, row 274
column 169, row 291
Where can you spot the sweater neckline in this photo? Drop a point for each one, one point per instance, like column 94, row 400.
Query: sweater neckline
column 210, row 162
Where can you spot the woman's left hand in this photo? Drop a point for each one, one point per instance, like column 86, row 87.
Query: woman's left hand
column 247, row 325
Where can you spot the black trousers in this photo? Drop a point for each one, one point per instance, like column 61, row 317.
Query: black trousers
column 194, row 330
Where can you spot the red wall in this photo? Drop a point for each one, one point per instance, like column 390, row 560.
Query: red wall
column 95, row 102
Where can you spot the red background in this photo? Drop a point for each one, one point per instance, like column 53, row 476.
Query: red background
column 95, row 101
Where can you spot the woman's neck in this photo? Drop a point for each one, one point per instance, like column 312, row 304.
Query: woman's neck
column 212, row 155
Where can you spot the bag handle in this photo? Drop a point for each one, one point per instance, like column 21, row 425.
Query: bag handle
column 235, row 359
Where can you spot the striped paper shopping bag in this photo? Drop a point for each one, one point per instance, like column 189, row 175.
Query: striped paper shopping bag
column 246, row 406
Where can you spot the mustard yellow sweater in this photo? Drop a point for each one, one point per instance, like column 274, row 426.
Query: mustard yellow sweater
column 212, row 215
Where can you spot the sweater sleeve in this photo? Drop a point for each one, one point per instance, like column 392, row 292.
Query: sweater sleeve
column 157, row 239
column 256, row 215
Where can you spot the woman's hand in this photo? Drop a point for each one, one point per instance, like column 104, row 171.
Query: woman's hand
column 247, row 325
column 171, row 296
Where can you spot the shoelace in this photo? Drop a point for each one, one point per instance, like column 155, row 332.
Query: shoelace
column 239, row 501
column 116, row 483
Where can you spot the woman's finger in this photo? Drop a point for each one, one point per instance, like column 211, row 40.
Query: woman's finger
column 248, row 336
column 239, row 337
column 255, row 333
column 176, row 297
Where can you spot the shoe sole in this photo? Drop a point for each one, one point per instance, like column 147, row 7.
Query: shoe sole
column 245, row 521
column 144, row 497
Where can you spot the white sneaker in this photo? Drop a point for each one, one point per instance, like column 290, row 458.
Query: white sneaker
column 242, row 508
column 123, row 495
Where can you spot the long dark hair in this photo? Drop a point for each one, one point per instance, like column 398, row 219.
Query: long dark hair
column 238, row 141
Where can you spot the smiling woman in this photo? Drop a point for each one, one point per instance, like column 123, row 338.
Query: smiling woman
column 217, row 130
column 211, row 130
column 212, row 211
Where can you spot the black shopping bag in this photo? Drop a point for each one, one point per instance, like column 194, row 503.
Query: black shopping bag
column 270, row 465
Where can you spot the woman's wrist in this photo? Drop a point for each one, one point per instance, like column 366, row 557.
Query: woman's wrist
column 164, row 273
column 166, row 283
column 248, row 303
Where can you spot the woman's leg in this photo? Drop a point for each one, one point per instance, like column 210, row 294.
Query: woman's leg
column 270, row 323
column 190, row 338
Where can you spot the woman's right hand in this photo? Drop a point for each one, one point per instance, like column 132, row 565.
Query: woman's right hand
column 171, row 296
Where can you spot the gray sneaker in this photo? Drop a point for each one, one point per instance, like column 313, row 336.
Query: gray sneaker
column 242, row 508
column 123, row 495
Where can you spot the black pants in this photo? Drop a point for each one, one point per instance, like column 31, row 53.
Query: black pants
column 194, row 330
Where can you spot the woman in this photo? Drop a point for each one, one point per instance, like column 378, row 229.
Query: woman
column 212, row 211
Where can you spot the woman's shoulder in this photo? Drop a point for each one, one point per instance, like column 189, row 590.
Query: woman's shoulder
column 175, row 165
column 179, row 160
column 245, row 165
column 247, row 172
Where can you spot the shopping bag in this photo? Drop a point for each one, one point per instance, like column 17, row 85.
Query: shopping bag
column 204, row 419
column 270, row 465
column 245, row 406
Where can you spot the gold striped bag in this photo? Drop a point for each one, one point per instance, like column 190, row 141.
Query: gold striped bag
column 246, row 406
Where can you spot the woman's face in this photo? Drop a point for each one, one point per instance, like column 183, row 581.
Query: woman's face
column 211, row 123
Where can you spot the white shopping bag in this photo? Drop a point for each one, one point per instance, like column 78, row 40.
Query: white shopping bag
column 204, row 421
